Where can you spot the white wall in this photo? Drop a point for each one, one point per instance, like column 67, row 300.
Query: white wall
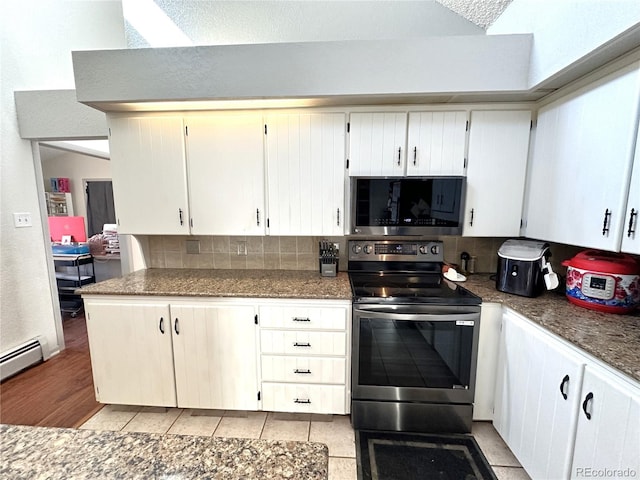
column 76, row 167
column 36, row 40
column 565, row 31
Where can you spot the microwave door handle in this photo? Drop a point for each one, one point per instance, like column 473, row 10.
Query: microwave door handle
column 421, row 317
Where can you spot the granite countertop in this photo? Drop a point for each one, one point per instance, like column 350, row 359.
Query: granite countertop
column 226, row 283
column 612, row 338
column 60, row 453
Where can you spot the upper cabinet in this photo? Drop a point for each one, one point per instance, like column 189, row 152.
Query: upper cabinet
column 630, row 226
column 498, row 149
column 305, row 173
column 149, row 174
column 377, row 144
column 381, row 144
column 436, row 143
column 225, row 161
column 581, row 164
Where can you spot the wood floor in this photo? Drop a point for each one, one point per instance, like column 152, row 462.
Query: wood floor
column 56, row 393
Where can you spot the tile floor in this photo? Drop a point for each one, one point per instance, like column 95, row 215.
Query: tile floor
column 333, row 430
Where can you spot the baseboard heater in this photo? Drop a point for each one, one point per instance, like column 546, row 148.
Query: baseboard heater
column 23, row 356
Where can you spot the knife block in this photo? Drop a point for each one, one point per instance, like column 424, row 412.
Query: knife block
column 328, row 259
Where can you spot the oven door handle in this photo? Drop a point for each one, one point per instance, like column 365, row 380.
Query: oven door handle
column 434, row 317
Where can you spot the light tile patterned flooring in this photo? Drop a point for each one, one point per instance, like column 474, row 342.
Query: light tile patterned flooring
column 333, row 430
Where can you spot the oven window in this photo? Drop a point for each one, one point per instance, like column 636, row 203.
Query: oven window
column 401, row 353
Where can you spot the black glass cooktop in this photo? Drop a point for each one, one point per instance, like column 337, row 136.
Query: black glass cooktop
column 405, row 287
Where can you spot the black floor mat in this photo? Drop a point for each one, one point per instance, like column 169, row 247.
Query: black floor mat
column 412, row 456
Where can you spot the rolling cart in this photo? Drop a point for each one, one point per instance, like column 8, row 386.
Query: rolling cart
column 72, row 272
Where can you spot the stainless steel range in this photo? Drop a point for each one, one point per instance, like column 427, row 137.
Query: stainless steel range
column 415, row 339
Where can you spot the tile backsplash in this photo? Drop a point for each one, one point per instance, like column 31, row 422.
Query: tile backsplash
column 286, row 253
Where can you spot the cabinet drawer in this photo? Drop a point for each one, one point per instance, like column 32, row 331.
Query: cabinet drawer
column 303, row 369
column 329, row 318
column 303, row 342
column 287, row 397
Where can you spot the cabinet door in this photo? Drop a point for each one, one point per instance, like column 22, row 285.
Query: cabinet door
column 215, row 357
column 225, row 155
column 149, row 174
column 488, row 345
column 305, row 173
column 610, row 439
column 498, row 150
column 436, row 143
column 581, row 164
column 536, row 373
column 631, row 223
column 377, row 144
column 131, row 356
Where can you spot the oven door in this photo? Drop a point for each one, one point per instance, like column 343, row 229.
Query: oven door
column 414, row 353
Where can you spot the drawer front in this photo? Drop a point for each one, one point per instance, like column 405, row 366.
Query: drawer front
column 302, row 343
column 330, row 318
column 303, row 369
column 288, row 397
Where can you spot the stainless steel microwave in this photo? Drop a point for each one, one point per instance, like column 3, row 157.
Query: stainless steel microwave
column 407, row 205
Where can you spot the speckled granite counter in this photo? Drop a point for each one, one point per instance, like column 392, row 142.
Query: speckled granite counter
column 226, row 283
column 57, row 453
column 614, row 339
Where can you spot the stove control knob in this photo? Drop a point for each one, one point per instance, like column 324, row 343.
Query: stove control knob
column 357, row 248
column 435, row 249
column 367, row 249
column 423, row 249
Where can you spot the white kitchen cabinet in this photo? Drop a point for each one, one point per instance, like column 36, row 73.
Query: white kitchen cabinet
column 377, row 144
column 304, row 357
column 631, row 222
column 305, row 173
column 225, row 158
column 149, row 174
column 131, row 352
column 581, row 164
column 608, row 431
column 496, row 171
column 436, row 143
column 214, row 353
column 488, row 345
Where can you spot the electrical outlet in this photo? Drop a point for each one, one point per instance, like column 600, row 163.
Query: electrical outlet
column 22, row 220
column 193, row 246
column 242, row 248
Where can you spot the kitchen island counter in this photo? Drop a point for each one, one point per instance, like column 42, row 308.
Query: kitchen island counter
column 59, row 453
column 612, row 338
column 307, row 284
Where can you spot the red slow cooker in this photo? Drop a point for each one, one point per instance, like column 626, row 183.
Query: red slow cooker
column 604, row 281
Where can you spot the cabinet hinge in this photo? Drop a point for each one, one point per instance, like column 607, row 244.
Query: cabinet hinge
column 467, row 126
column 348, row 127
column 255, row 319
column 265, row 128
column 186, row 130
column 258, row 396
column 347, row 163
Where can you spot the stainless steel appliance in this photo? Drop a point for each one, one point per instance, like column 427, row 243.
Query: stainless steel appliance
column 407, row 205
column 415, row 339
column 521, row 267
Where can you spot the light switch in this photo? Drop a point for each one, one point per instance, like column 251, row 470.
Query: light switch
column 22, row 220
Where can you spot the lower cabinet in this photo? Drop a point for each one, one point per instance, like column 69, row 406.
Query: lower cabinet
column 544, row 390
column 304, row 363
column 226, row 354
column 165, row 354
column 131, row 353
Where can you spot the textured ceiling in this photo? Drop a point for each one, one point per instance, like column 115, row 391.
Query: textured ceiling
column 481, row 12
